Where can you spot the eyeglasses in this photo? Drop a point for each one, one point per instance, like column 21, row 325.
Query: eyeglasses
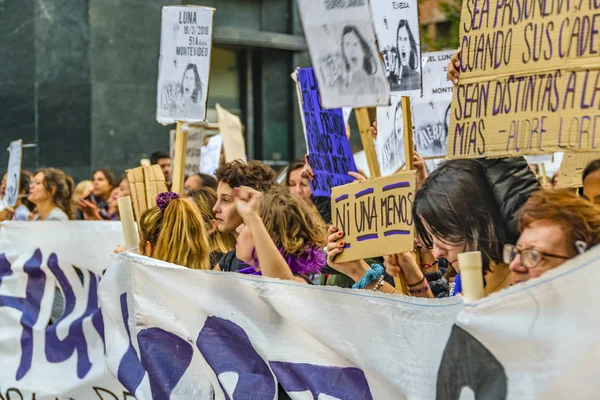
column 530, row 258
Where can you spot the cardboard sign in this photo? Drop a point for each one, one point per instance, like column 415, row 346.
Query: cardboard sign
column 184, row 65
column 341, row 43
column 194, row 145
column 571, row 169
column 376, row 216
column 211, row 155
column 389, row 144
column 14, row 173
column 145, row 183
column 328, row 148
column 397, row 27
column 230, row 127
column 529, row 78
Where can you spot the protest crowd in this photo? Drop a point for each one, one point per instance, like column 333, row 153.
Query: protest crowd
column 241, row 220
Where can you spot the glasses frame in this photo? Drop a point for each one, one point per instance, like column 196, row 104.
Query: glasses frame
column 519, row 251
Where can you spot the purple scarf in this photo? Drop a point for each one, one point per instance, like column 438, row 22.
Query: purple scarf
column 309, row 262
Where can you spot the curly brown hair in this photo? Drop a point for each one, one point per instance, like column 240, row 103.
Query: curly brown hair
column 60, row 186
column 293, row 226
column 579, row 219
column 254, row 174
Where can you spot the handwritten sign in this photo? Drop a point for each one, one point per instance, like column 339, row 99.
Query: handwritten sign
column 328, row 148
column 571, row 169
column 530, row 77
column 184, row 65
column 14, row 173
column 194, row 145
column 389, row 145
column 341, row 43
column 397, row 28
column 376, row 216
column 230, row 127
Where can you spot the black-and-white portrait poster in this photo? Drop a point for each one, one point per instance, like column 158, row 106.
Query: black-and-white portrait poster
column 14, row 173
column 184, row 65
column 342, row 46
column 431, row 113
column 397, row 28
column 389, row 144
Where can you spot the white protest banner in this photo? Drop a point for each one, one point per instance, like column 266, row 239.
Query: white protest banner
column 247, row 334
column 389, row 144
column 210, row 155
column 341, row 43
column 65, row 360
column 14, row 173
column 184, row 64
column 230, row 127
column 194, row 145
column 528, row 79
column 397, row 27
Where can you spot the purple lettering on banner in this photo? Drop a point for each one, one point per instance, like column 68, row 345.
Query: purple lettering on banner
column 329, row 150
column 130, row 372
column 166, row 357
column 58, row 350
column 342, row 383
column 29, row 306
column 227, row 348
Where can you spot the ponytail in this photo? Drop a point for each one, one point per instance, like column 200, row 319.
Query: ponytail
column 62, row 185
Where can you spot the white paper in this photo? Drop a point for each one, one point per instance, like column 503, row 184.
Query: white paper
column 389, row 144
column 397, row 28
column 184, row 65
column 210, row 155
column 14, row 173
column 341, row 43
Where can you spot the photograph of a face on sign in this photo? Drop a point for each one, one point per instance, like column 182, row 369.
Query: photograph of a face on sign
column 341, row 42
column 431, row 120
column 184, row 66
column 397, row 28
column 14, row 173
column 389, row 144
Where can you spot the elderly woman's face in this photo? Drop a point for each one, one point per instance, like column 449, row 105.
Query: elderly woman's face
column 548, row 238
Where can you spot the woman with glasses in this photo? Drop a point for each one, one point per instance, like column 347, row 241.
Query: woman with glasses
column 555, row 226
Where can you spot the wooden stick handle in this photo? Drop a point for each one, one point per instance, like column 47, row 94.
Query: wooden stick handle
column 364, row 126
column 130, row 232
column 179, row 162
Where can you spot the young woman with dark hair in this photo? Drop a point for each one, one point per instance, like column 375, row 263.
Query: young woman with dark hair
column 23, row 207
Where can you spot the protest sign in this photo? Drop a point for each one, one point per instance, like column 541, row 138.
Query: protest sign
column 145, row 183
column 571, row 169
column 211, row 155
column 375, row 216
column 64, row 360
column 341, row 42
column 397, row 28
column 389, row 144
column 529, row 79
column 194, row 144
column 182, row 326
column 329, row 151
column 14, row 173
column 431, row 113
column 184, row 64
column 230, row 127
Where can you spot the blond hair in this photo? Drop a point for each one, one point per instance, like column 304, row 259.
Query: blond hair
column 177, row 235
column 292, row 224
column 205, row 198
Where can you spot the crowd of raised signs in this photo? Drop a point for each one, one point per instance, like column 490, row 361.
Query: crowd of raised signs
column 241, row 220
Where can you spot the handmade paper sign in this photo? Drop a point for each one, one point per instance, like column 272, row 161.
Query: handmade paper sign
column 571, row 169
column 341, row 43
column 194, row 144
column 211, row 155
column 397, row 28
column 230, row 127
column 14, row 173
column 529, row 79
column 431, row 113
column 329, row 151
column 389, row 144
column 375, row 215
column 184, row 64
